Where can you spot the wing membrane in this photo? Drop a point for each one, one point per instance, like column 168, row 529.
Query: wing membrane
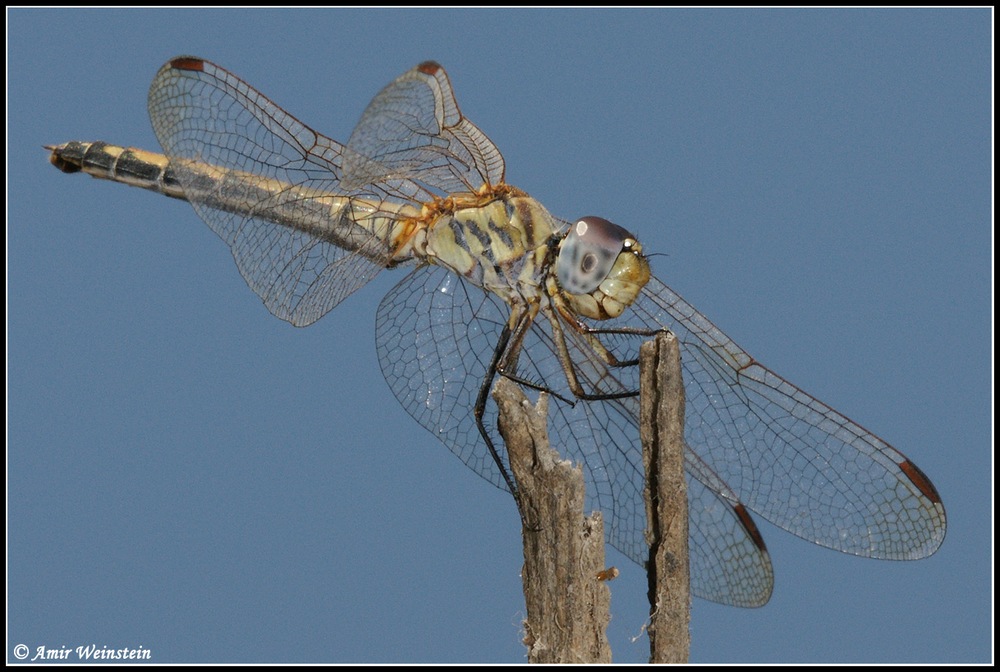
column 412, row 133
column 435, row 335
column 791, row 458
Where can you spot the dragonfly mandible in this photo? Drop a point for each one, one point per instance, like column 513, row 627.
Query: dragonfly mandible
column 499, row 286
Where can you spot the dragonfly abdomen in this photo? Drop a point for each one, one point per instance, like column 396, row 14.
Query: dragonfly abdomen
column 134, row 167
column 354, row 224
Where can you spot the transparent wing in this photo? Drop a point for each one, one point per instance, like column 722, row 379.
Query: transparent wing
column 729, row 562
column 412, row 134
column 791, row 458
column 435, row 337
column 203, row 113
column 411, row 141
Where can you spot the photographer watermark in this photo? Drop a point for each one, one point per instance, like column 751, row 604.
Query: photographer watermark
column 79, row 653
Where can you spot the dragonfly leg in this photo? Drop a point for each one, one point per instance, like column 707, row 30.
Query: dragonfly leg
column 506, row 363
column 480, row 409
column 534, row 386
column 589, row 344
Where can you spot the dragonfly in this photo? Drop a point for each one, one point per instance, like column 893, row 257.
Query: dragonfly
column 498, row 286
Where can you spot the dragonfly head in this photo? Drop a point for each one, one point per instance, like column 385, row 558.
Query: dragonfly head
column 600, row 268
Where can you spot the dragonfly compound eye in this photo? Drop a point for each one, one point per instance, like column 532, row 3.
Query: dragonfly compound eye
column 601, row 268
column 588, row 253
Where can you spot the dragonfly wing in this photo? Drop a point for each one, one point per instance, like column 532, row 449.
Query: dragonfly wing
column 435, row 334
column 791, row 458
column 729, row 561
column 413, row 136
column 202, row 113
column 435, row 337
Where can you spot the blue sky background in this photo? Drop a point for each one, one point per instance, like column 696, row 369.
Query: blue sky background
column 188, row 474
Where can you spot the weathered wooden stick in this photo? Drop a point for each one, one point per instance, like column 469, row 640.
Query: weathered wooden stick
column 567, row 604
column 661, row 427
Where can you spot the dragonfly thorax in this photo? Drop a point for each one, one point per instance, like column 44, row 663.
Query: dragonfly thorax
column 500, row 244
